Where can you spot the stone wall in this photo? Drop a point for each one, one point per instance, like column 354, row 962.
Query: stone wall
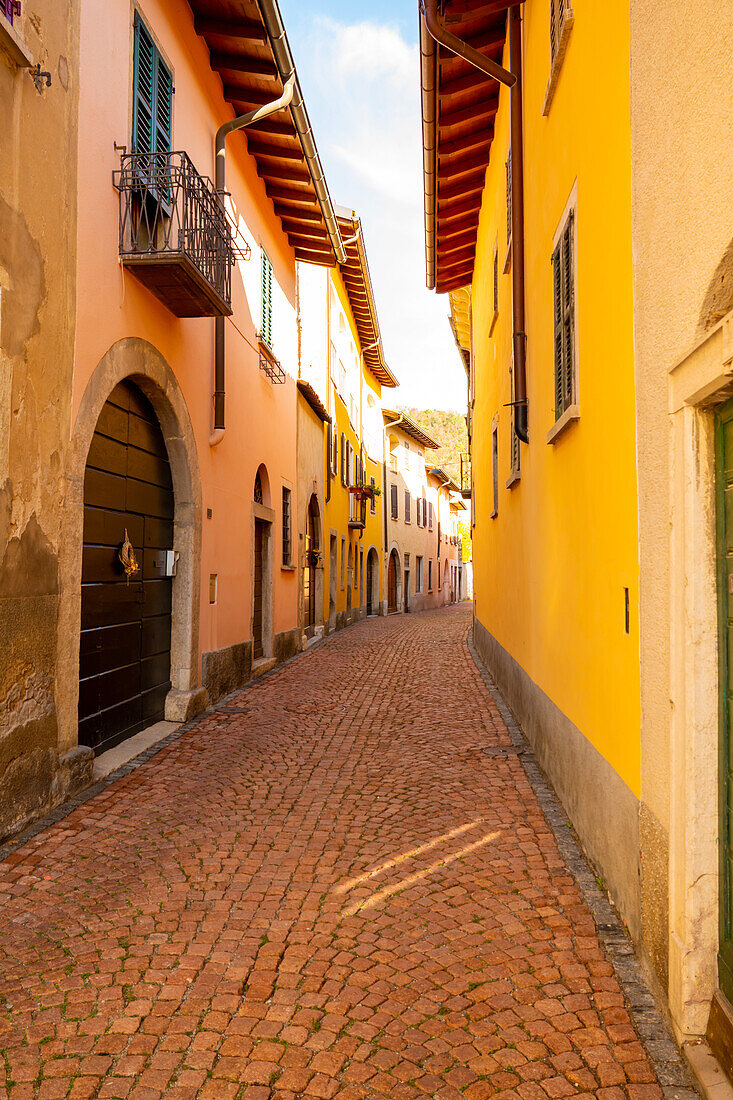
column 38, row 165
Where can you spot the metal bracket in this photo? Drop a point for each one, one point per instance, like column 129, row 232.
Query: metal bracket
column 39, row 78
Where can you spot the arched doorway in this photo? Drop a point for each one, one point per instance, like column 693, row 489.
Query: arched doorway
column 312, row 549
column 350, row 577
column 126, row 586
column 372, row 582
column 261, row 566
column 392, row 575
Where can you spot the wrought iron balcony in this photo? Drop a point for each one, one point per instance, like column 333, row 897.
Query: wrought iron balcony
column 175, row 235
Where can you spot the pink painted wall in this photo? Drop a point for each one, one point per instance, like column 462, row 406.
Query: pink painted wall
column 261, row 424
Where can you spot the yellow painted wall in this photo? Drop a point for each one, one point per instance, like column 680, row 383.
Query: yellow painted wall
column 551, row 568
column 337, row 508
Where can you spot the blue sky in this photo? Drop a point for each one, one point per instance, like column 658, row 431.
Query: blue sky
column 358, row 66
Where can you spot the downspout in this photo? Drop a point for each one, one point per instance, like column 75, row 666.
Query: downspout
column 362, row 362
column 521, row 425
column 512, row 80
column 286, row 67
column 239, row 123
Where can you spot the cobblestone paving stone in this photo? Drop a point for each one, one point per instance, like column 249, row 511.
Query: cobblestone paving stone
column 331, row 892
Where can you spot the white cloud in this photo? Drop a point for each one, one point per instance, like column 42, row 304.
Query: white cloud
column 362, row 87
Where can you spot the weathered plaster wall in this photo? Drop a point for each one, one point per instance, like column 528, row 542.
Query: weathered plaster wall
column 38, row 163
column 312, row 443
column 682, row 195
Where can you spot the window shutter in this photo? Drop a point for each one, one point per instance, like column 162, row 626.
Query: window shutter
column 393, row 494
column 266, row 326
column 564, row 319
column 9, row 8
column 343, row 459
column 496, row 281
column 568, row 313
column 430, row 515
column 557, row 18
column 407, row 506
column 509, row 199
column 143, row 89
column 163, row 106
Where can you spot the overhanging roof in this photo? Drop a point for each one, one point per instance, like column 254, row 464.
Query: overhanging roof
column 250, row 61
column 439, row 473
column 459, row 105
column 409, row 427
column 358, row 283
column 314, row 401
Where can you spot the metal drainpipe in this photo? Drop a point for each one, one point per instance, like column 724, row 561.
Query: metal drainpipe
column 239, row 123
column 512, row 80
column 521, row 426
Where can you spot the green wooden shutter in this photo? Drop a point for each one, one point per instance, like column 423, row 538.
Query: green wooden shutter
column 557, row 316
column 152, row 112
column 568, row 332
column 266, row 328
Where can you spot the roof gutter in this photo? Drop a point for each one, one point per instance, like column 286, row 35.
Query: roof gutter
column 436, row 29
column 286, row 67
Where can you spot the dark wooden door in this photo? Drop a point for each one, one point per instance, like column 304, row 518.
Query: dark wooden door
column 392, row 583
column 309, row 579
column 257, row 649
column 124, row 659
column 725, row 597
column 370, row 583
column 406, row 588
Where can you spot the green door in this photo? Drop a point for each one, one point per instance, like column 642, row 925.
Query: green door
column 724, row 462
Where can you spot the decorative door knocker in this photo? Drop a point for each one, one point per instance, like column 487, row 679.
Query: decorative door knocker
column 126, row 554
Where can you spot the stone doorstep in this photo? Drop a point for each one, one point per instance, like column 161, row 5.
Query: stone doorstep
column 708, row 1071
column 262, row 667
column 113, row 759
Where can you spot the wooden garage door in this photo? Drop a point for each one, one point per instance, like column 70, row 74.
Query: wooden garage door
column 125, row 624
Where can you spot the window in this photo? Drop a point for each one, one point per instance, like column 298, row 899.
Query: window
column 438, row 574
column 373, row 501
column 563, row 269
column 430, row 575
column 343, row 459
column 407, row 506
column 9, row 8
column 361, row 566
column 266, row 286
column 393, row 494
column 496, row 280
column 423, row 517
column 418, row 509
column 430, row 515
column 343, row 562
column 495, row 466
column 514, row 446
column 508, row 170
column 332, row 450
column 287, row 536
column 418, row 574
column 561, row 24
column 152, row 98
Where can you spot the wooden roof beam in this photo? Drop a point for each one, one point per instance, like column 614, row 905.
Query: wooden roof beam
column 485, row 109
column 462, row 187
column 285, row 210
column 279, row 152
column 246, row 96
column 461, row 167
column 236, row 63
column 290, row 194
column 235, row 28
column 459, row 209
column 284, row 173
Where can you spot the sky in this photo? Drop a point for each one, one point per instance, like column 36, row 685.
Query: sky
column 359, row 69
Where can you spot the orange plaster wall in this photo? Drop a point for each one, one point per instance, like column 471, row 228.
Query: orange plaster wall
column 261, row 424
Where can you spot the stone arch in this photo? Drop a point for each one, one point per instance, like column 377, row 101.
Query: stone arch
column 394, row 551
column 140, row 362
column 313, row 521
column 264, row 481
column 372, row 581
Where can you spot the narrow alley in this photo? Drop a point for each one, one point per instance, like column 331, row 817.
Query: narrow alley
column 326, row 887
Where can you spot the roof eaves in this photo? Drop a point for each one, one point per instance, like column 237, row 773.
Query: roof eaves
column 314, row 401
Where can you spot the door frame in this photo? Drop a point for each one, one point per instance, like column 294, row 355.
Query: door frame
column 144, row 365
column 266, row 516
column 688, row 775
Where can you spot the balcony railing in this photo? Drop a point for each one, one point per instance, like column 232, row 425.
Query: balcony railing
column 465, row 475
column 175, row 235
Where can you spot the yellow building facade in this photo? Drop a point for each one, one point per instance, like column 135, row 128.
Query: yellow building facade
column 342, row 359
column 555, row 541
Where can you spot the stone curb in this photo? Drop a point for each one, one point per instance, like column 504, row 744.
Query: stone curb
column 663, row 1053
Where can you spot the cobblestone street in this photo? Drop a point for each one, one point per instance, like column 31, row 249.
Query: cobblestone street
column 330, row 891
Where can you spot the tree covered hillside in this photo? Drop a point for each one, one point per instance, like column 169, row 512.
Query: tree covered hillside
column 448, row 429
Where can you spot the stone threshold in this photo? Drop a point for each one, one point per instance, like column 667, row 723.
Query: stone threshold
column 656, row 1037
column 113, row 759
